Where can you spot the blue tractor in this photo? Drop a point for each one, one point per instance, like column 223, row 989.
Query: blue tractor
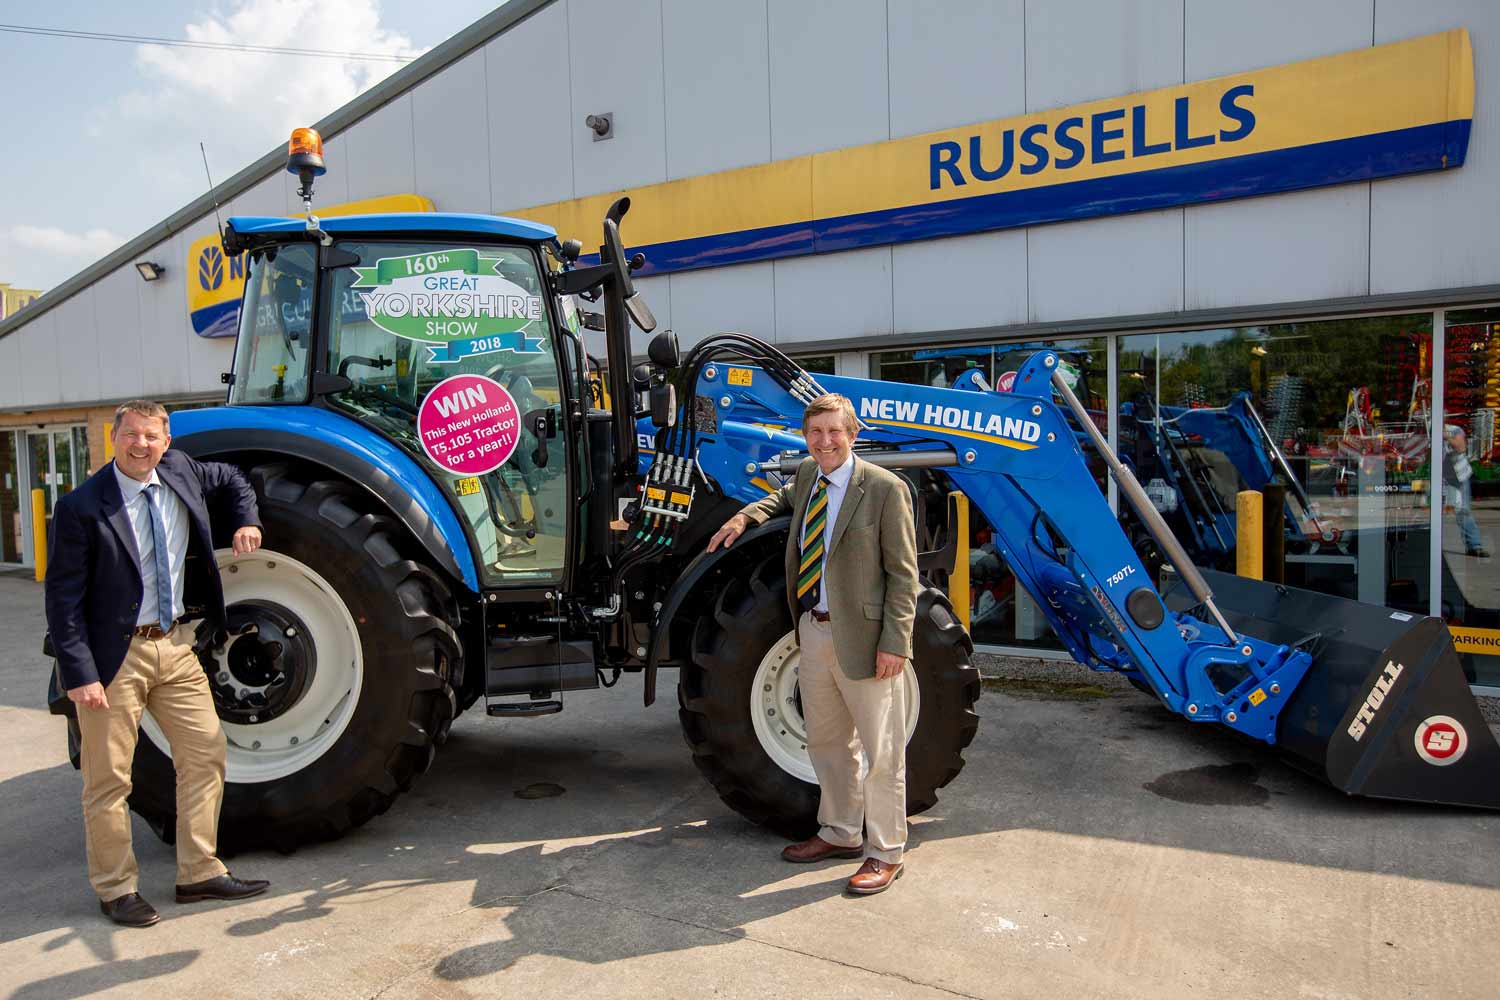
column 457, row 513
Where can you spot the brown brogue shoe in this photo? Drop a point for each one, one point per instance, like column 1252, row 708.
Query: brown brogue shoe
column 224, row 886
column 129, row 910
column 874, row 876
column 817, row 849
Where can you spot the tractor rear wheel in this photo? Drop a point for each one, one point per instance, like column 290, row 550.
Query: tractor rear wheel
column 742, row 716
column 341, row 681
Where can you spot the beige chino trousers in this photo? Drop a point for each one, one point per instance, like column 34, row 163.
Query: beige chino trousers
column 846, row 721
column 164, row 676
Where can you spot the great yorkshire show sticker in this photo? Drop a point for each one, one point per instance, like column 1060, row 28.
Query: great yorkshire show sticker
column 453, row 301
column 469, row 425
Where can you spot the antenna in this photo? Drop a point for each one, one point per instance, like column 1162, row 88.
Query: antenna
column 215, row 197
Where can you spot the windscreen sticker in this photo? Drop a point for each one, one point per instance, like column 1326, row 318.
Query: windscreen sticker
column 454, row 301
column 469, row 425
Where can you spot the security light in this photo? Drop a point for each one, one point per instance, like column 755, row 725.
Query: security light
column 150, row 270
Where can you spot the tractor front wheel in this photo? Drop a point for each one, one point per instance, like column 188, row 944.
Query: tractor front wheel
column 336, row 680
column 741, row 712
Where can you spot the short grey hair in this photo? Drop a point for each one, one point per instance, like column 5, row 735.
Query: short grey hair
column 143, row 408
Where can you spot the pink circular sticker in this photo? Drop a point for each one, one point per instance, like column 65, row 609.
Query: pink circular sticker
column 469, row 425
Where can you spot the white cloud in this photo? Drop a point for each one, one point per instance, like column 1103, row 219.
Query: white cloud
column 241, row 104
column 42, row 256
column 90, row 244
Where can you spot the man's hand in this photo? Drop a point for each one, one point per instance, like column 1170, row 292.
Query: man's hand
column 888, row 665
column 246, row 540
column 732, row 529
column 89, row 696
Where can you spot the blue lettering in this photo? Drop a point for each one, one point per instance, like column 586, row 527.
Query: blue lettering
column 943, row 158
column 1007, row 156
column 1066, row 140
column 1244, row 116
column 1185, row 140
column 1036, row 149
column 236, row 267
column 1138, row 144
column 1103, row 135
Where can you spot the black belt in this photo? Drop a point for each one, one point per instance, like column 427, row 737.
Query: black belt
column 820, row 616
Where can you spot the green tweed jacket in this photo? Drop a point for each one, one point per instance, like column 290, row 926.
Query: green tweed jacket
column 870, row 568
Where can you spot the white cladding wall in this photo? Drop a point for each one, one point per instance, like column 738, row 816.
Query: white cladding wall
column 698, row 86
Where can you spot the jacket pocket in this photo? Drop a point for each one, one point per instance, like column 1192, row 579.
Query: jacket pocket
column 874, row 612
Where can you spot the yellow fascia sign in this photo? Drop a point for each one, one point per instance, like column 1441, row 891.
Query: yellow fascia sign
column 216, row 280
column 1375, row 112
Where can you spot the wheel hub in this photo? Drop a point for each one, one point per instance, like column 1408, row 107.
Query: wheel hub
column 264, row 666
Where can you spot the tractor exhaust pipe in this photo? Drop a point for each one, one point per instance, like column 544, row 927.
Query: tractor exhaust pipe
column 1147, row 512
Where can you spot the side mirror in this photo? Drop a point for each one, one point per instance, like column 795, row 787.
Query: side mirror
column 663, row 351
column 613, row 253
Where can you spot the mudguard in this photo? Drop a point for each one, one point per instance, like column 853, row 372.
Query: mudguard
column 324, row 438
column 693, row 574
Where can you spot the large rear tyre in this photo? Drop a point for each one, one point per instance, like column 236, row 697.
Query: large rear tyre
column 742, row 717
column 332, row 703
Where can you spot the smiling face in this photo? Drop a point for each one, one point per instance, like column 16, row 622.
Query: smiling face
column 140, row 442
column 829, row 438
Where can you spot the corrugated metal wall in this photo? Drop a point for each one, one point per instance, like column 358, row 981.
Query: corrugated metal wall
column 698, row 86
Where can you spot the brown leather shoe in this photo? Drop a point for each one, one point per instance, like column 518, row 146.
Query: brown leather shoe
column 129, row 910
column 874, row 876
column 224, row 886
column 817, row 849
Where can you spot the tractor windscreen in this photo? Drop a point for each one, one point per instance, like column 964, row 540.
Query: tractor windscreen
column 271, row 355
column 451, row 354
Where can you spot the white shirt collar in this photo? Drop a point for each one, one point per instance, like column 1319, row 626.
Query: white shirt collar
column 132, row 488
column 840, row 477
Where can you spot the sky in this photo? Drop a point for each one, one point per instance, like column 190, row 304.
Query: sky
column 101, row 138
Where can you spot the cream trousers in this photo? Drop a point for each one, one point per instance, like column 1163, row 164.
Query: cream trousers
column 165, row 677
column 847, row 720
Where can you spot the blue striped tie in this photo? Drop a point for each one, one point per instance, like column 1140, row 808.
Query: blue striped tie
column 163, row 570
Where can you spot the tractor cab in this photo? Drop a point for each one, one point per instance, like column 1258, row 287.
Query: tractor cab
column 454, row 338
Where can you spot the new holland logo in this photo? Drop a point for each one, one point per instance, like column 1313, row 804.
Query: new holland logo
column 211, row 268
column 1013, row 432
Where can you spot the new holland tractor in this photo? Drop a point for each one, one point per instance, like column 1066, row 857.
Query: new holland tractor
column 457, row 513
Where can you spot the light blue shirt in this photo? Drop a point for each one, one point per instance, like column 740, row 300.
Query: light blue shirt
column 838, row 488
column 174, row 516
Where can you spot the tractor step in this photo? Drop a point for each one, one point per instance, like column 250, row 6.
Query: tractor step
column 522, row 709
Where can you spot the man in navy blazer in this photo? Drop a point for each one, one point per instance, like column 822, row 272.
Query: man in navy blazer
column 131, row 559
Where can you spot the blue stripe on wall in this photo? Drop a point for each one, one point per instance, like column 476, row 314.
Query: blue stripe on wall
column 1384, row 154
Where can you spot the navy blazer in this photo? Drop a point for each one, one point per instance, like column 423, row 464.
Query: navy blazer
column 94, row 571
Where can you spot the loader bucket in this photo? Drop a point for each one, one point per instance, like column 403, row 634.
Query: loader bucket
column 1385, row 710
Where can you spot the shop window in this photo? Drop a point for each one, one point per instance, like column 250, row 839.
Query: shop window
column 1338, row 412
column 1470, row 490
column 818, row 364
column 1001, row 613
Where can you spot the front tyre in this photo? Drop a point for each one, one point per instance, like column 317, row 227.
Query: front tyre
column 742, row 717
column 339, row 681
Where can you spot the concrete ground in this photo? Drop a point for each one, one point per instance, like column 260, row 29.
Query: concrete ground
column 1093, row 847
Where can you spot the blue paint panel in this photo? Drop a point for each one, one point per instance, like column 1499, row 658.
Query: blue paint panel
column 404, row 222
column 219, row 320
column 328, row 427
column 1387, row 154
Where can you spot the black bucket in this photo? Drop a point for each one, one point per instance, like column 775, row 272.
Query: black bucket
column 1385, row 709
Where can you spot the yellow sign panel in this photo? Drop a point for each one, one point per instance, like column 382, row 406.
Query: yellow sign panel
column 216, row 280
column 467, row 487
column 1378, row 111
column 739, row 376
column 1476, row 640
column 1257, row 696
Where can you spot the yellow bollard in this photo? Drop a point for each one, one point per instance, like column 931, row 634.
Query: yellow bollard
column 39, row 532
column 1249, row 551
column 958, row 580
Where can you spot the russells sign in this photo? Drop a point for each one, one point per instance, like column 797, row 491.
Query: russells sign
column 1381, row 111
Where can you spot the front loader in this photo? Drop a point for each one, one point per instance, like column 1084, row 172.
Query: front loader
column 457, row 514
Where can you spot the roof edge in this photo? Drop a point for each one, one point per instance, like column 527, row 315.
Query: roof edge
column 398, row 83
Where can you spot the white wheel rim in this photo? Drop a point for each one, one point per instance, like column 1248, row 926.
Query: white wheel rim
column 777, row 718
column 293, row 740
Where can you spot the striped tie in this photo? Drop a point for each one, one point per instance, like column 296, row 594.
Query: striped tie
column 810, row 566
